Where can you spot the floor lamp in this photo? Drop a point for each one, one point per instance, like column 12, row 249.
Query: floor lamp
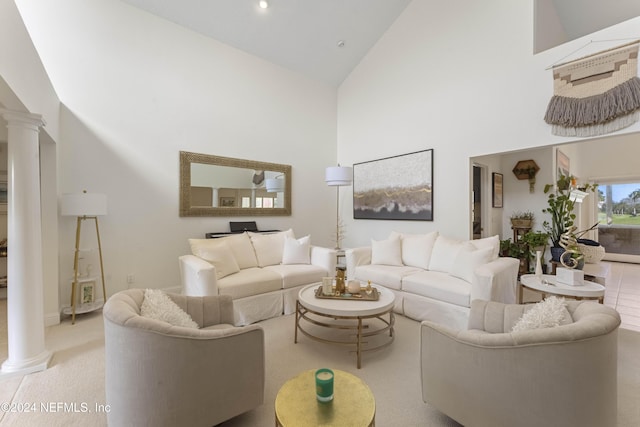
column 84, row 206
column 338, row 176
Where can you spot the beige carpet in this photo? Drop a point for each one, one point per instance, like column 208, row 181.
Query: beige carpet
column 76, row 377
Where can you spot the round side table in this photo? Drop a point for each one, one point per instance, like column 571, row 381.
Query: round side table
column 353, row 403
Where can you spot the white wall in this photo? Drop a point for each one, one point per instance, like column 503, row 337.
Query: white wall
column 458, row 77
column 136, row 90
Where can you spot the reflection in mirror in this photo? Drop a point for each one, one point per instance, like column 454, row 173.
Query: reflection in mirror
column 223, row 186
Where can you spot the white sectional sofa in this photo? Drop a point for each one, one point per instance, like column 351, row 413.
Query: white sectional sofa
column 435, row 277
column 261, row 272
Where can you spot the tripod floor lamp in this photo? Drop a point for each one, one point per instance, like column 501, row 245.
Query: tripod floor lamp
column 84, row 206
column 338, row 176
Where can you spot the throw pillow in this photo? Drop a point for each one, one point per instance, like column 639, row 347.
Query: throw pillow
column 220, row 256
column 444, row 254
column 468, row 259
column 546, row 314
column 157, row 305
column 269, row 247
column 386, row 252
column 240, row 245
column 417, row 249
column 296, row 251
column 492, row 242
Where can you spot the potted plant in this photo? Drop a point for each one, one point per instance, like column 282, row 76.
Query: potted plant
column 536, row 240
column 522, row 219
column 516, row 250
column 561, row 210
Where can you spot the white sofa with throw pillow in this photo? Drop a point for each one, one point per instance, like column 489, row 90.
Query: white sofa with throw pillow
column 435, row 277
column 262, row 272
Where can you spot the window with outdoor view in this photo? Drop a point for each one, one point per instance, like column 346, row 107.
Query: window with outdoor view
column 619, row 217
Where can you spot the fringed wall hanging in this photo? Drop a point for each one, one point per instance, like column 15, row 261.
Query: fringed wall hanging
column 597, row 94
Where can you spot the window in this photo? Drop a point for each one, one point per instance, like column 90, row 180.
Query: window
column 619, row 217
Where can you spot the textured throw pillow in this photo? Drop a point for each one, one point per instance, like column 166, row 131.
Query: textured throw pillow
column 157, row 305
column 468, row 259
column 296, row 251
column 546, row 314
column 492, row 242
column 220, row 256
column 386, row 252
column 240, row 245
column 269, row 247
column 444, row 254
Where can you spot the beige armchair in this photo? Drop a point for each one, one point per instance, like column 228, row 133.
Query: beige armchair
column 488, row 376
column 163, row 375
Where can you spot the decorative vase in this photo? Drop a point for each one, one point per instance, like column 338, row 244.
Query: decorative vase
column 538, row 271
column 556, row 251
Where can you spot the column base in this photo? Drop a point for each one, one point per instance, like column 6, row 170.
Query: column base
column 35, row 364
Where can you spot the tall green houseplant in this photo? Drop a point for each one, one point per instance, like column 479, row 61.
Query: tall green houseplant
column 561, row 207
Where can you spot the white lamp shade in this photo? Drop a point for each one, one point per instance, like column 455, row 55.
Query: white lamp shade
column 274, row 185
column 338, row 175
column 83, row 204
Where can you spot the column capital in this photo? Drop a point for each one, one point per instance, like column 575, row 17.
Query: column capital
column 19, row 118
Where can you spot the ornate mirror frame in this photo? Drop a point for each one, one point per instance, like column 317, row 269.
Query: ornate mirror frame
column 188, row 158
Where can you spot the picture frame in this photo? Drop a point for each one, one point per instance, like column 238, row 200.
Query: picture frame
column 496, row 190
column 394, row 188
column 563, row 164
column 227, row 202
column 87, row 292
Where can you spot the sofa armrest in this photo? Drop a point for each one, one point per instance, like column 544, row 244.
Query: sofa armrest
column 496, row 281
column 198, row 276
column 325, row 258
column 356, row 257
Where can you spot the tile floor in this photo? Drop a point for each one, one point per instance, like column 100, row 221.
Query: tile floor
column 622, row 292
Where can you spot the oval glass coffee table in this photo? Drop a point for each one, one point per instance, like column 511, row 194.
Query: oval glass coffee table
column 549, row 284
column 345, row 314
column 353, row 403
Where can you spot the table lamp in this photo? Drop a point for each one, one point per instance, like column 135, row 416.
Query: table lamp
column 84, row 206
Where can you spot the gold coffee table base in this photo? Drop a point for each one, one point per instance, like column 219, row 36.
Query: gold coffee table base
column 353, row 403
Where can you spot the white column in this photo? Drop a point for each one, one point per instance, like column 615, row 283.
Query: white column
column 25, row 305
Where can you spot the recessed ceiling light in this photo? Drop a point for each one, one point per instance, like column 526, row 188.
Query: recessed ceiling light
column 263, row 4
column 340, row 43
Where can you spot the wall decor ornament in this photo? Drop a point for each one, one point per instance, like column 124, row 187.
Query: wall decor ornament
column 527, row 169
column 397, row 188
column 596, row 94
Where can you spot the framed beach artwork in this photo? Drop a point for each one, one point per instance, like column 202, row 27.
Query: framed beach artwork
column 396, row 188
column 562, row 164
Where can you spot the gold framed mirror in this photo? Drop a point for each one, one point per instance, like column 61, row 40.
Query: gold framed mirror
column 224, row 186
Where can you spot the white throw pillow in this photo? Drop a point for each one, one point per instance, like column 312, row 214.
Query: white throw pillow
column 492, row 242
column 157, row 305
column 417, row 249
column 444, row 254
column 546, row 314
column 468, row 259
column 269, row 247
column 386, row 252
column 296, row 251
column 220, row 256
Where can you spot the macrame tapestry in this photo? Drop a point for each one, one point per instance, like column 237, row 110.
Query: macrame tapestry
column 597, row 94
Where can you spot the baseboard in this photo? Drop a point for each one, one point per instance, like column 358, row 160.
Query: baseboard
column 51, row 319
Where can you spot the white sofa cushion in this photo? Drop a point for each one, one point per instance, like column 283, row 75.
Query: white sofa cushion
column 157, row 305
column 218, row 253
column 440, row 286
column 250, row 281
column 298, row 274
column 239, row 244
column 468, row 259
column 416, row 248
column 296, row 251
column 492, row 242
column 388, row 275
column 444, row 254
column 386, row 252
column 269, row 247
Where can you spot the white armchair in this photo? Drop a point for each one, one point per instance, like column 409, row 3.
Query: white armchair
column 488, row 376
column 157, row 374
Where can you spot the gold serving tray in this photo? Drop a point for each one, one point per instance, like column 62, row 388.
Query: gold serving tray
column 362, row 296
